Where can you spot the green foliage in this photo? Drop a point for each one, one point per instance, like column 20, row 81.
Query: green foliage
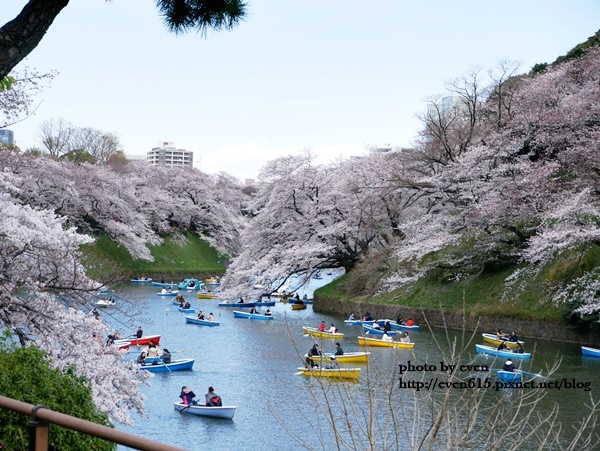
column 176, row 257
column 78, row 156
column 27, row 376
column 6, row 83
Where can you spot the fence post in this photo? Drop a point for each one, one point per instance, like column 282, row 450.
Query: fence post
column 38, row 431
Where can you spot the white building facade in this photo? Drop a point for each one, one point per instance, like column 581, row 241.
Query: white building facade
column 169, row 156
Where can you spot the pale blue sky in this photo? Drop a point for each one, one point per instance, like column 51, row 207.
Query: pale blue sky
column 334, row 76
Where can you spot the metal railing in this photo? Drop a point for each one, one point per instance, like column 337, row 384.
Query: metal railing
column 42, row 417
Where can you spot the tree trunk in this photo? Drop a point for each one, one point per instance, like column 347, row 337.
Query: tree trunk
column 22, row 34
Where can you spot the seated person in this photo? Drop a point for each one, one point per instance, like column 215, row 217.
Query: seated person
column 387, row 326
column 351, row 317
column 502, row 347
column 410, row 322
column 513, row 338
column 509, row 366
column 253, row 311
column 141, row 358
column 201, row 314
column 386, row 337
column 338, row 350
column 332, row 329
column 166, row 357
column 519, row 349
column 211, row 317
column 399, row 320
column 368, row 317
column 333, row 364
column 315, row 350
column 405, row 338
column 187, row 396
column 322, row 326
column 268, row 313
column 500, row 335
column 186, row 304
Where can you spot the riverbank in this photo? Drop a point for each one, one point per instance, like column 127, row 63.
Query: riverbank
column 458, row 320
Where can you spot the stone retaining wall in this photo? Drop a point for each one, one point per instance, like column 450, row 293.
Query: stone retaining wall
column 525, row 328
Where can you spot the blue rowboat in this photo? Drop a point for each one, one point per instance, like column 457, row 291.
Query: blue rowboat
column 396, row 326
column 372, row 331
column 237, row 304
column 493, row 351
column 591, row 352
column 202, row 322
column 186, row 310
column 168, row 293
column 510, row 376
column 175, row 365
column 265, row 303
column 164, row 284
column 141, row 280
column 238, row 314
column 358, row 322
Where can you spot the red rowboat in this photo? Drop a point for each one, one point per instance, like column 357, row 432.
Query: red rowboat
column 144, row 341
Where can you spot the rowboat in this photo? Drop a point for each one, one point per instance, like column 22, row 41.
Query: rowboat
column 493, row 351
column 237, row 304
column 238, row 314
column 226, row 412
column 189, row 284
column 298, row 307
column 373, row 331
column 168, row 293
column 314, row 332
column 202, row 322
column 164, row 284
column 141, row 280
column 123, row 345
column 493, row 339
column 186, row 310
column 358, row 322
column 592, row 352
column 108, row 302
column 265, row 303
column 205, row 296
column 339, row 373
column 510, row 376
column 144, row 341
column 347, row 357
column 375, row 342
column 396, row 326
column 175, row 365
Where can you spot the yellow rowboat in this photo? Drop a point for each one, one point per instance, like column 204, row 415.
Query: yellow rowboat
column 491, row 338
column 349, row 357
column 205, row 296
column 313, row 331
column 335, row 373
column 298, row 307
column 364, row 341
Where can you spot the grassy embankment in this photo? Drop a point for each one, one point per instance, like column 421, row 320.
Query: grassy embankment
column 482, row 294
column 175, row 258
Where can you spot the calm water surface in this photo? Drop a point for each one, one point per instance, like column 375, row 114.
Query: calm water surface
column 251, row 364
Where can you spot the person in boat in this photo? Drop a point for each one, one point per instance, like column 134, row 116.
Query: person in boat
column 96, row 313
column 399, row 320
column 405, row 338
column 297, row 297
column 333, row 365
column 351, row 317
column 387, row 326
column 178, row 298
column 410, row 322
column 152, row 350
column 314, row 350
column 162, row 280
column 201, row 314
column 211, row 317
column 186, row 305
column 322, row 326
column 305, row 298
column 308, row 361
column 502, row 347
column 141, row 360
column 187, row 396
column 116, row 335
column 241, row 301
column 501, row 335
column 212, row 399
column 376, row 326
column 338, row 350
column 386, row 337
column 166, row 356
column 110, row 340
column 509, row 366
column 368, row 317
column 254, row 311
column 332, row 329
column 139, row 333
column 268, row 313
column 513, row 337
column 519, row 349
column 164, row 291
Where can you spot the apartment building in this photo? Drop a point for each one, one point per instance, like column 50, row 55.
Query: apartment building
column 166, row 154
